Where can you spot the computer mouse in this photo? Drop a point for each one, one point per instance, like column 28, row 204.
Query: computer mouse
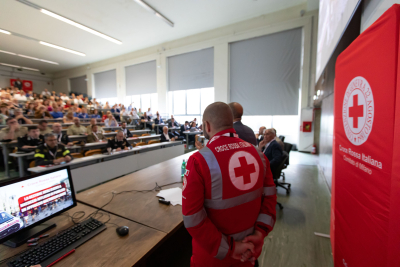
column 122, row 230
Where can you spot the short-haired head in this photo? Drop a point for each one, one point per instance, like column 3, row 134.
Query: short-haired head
column 217, row 117
column 237, row 110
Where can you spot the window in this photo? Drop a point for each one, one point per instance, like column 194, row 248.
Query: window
column 111, row 101
column 186, row 105
column 144, row 102
column 287, row 126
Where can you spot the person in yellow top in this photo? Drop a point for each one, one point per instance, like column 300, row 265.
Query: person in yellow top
column 76, row 128
column 13, row 131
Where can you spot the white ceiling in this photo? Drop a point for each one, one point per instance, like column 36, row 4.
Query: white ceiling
column 124, row 20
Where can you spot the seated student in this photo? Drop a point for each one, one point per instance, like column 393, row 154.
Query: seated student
column 158, row 120
column 42, row 113
column 95, row 114
column 193, row 128
column 110, row 121
column 43, row 127
column 184, row 127
column 149, row 114
column 195, row 121
column 30, row 110
column 76, row 128
column 173, row 123
column 271, row 149
column 30, row 141
column 125, row 130
column 61, row 137
column 94, row 122
column 119, row 142
column 83, row 114
column 19, row 116
column 95, row 135
column 51, row 152
column 58, row 113
column 69, row 117
column 144, row 118
column 278, row 139
column 260, row 134
column 105, row 116
column 166, row 136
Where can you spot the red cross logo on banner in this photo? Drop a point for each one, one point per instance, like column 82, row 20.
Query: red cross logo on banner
column 356, row 111
column 243, row 170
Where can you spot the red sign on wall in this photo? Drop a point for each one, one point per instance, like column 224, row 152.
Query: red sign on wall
column 365, row 217
column 26, row 85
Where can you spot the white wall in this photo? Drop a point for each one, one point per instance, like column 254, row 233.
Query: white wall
column 373, row 9
column 39, row 81
column 219, row 39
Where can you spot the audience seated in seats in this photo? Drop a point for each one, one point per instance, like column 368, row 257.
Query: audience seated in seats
column 67, row 105
column 172, row 124
column 140, row 113
column 115, row 109
column 106, row 106
column 42, row 113
column 42, row 125
column 145, row 119
column 95, row 135
column 89, row 128
column 149, row 114
column 46, row 93
column 193, row 128
column 124, row 112
column 278, row 140
column 185, row 127
column 76, row 128
column 271, row 149
column 19, row 96
column 95, row 114
column 261, row 134
column 52, row 152
column 54, row 94
column 30, row 110
column 119, row 142
column 125, row 130
column 166, row 136
column 245, row 133
column 158, row 120
column 83, row 114
column 61, row 137
column 12, row 131
column 30, row 141
column 105, row 116
column 69, row 117
column 57, row 113
column 110, row 121
column 195, row 121
column 19, row 116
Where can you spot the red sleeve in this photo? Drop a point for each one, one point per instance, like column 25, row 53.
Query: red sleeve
column 199, row 226
column 267, row 217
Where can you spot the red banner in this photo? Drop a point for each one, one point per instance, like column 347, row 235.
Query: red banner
column 365, row 221
column 26, row 85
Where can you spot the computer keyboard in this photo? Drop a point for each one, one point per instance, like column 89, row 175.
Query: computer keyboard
column 57, row 247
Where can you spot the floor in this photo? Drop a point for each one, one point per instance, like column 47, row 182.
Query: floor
column 306, row 210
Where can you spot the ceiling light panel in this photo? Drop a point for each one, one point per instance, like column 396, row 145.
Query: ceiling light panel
column 33, row 58
column 154, row 11
column 70, row 22
column 19, row 67
column 6, row 32
column 63, row 48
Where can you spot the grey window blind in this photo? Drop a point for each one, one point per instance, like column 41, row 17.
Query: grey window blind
column 265, row 73
column 141, row 78
column 192, row 70
column 105, row 84
column 78, row 85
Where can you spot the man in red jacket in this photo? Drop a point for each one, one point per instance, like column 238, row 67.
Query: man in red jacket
column 229, row 195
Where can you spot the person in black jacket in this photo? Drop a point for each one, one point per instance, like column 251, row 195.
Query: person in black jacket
column 166, row 136
column 119, row 142
column 51, row 152
column 245, row 133
column 62, row 138
column 271, row 149
column 126, row 131
column 30, row 141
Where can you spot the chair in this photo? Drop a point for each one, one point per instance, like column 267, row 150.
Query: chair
column 146, row 134
column 116, row 131
column 92, row 152
column 282, row 138
column 154, row 142
column 277, row 173
column 77, row 155
column 141, row 144
column 107, row 131
column 287, row 149
column 135, row 135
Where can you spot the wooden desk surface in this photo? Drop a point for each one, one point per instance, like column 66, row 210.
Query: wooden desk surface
column 141, row 207
column 105, row 249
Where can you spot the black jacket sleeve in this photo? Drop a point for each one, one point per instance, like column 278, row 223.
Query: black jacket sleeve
column 276, row 158
column 128, row 133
